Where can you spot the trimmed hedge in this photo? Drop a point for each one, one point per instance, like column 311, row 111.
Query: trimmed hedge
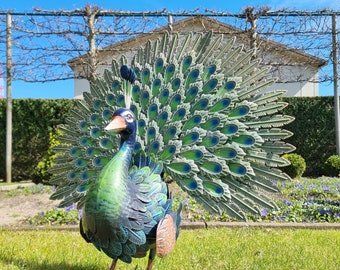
column 34, row 119
column 314, row 131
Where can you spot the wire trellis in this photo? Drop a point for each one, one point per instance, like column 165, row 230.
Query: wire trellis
column 43, row 41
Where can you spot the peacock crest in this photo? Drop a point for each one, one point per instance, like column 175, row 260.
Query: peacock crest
column 201, row 112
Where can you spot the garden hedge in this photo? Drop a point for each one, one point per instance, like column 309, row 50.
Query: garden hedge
column 33, row 119
column 314, row 131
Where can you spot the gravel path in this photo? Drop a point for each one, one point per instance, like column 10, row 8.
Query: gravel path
column 13, row 210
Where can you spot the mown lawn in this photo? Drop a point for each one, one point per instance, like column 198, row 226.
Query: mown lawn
column 222, row 248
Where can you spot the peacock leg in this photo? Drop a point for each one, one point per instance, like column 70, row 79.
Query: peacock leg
column 113, row 264
column 152, row 255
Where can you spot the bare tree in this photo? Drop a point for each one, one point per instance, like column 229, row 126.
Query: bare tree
column 43, row 41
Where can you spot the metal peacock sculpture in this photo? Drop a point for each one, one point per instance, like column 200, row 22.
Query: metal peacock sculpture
column 188, row 106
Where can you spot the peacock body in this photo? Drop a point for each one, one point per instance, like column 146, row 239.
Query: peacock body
column 189, row 106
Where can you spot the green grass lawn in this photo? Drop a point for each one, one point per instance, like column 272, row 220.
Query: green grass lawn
column 221, row 248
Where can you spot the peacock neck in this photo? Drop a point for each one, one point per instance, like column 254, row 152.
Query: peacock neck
column 116, row 171
column 128, row 140
column 112, row 180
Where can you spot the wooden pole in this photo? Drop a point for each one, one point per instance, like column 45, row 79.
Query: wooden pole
column 9, row 99
column 336, row 81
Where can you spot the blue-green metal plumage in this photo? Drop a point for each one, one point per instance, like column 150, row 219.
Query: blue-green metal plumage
column 202, row 118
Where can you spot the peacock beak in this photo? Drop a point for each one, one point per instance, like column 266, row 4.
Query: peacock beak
column 116, row 125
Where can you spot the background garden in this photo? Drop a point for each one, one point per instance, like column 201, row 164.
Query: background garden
column 313, row 195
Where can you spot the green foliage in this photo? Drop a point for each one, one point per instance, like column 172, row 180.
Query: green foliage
column 314, row 130
column 333, row 165
column 56, row 216
column 33, row 120
column 297, row 165
column 41, row 170
column 36, row 189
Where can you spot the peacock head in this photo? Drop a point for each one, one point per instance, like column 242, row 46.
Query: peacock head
column 123, row 122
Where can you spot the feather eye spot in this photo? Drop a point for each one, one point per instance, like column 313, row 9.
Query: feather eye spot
column 159, row 63
column 187, row 60
column 190, row 184
column 71, row 176
column 237, row 169
column 205, row 103
column 135, row 89
column 249, row 141
column 170, row 68
column 230, row 85
column 106, row 114
column 217, row 168
column 177, row 98
column 172, row 131
column 110, row 99
column 151, row 132
column 97, row 104
column 164, row 116
column 80, row 162
column 153, row 108
column 83, row 125
column 156, row 83
column 241, row 170
column 243, row 110
column 197, row 119
column 194, row 74
column 193, row 91
column 155, row 146
column 172, row 149
column 141, row 123
column 213, row 83
column 181, row 113
column 213, row 188
column 194, row 136
column 186, row 168
column 164, row 95
column 145, row 72
column 229, row 129
column 214, row 140
column 137, row 147
column 145, row 95
column 176, row 83
column 115, row 84
column 212, row 69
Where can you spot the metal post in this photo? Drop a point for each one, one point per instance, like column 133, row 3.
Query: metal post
column 170, row 22
column 336, row 81
column 9, row 99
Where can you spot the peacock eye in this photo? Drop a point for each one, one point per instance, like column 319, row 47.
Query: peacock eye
column 129, row 117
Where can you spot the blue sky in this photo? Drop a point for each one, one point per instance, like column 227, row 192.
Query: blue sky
column 64, row 89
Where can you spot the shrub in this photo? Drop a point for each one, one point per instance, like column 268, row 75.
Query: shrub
column 57, row 216
column 332, row 165
column 297, row 165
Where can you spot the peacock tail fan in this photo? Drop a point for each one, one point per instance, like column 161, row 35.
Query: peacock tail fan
column 202, row 111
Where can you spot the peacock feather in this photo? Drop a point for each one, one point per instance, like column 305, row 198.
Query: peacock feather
column 202, row 117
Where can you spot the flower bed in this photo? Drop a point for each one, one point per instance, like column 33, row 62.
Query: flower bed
column 304, row 200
